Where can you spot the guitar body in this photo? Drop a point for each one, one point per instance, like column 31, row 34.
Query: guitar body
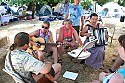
column 39, row 40
column 33, row 47
column 44, row 80
column 41, row 43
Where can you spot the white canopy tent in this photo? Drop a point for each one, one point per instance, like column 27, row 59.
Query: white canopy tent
column 14, row 9
column 98, row 8
column 112, row 9
column 2, row 9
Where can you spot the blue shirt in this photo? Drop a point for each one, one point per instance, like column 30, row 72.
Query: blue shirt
column 107, row 78
column 64, row 8
column 75, row 12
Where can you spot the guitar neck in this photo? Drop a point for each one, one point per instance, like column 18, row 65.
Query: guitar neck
column 51, row 44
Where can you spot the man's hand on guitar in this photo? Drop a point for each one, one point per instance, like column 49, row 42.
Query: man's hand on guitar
column 69, row 44
column 66, row 43
column 59, row 44
column 37, row 45
column 72, row 44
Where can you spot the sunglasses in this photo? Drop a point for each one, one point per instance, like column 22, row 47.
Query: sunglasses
column 45, row 27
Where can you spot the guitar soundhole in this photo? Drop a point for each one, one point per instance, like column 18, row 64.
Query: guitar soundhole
column 38, row 42
column 31, row 48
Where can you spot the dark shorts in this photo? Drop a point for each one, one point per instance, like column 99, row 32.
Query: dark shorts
column 52, row 72
column 76, row 28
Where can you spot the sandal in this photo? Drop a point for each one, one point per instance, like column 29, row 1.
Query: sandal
column 60, row 61
column 73, row 59
column 109, row 71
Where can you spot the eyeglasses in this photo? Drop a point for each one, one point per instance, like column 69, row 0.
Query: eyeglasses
column 45, row 27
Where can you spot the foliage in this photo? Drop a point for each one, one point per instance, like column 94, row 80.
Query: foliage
column 121, row 2
column 86, row 4
column 23, row 2
column 102, row 2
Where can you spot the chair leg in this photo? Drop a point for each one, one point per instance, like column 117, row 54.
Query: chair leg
column 111, row 40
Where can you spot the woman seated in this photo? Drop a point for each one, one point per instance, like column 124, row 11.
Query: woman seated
column 119, row 75
column 45, row 34
column 97, row 53
column 68, row 36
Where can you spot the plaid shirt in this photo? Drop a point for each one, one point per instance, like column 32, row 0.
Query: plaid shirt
column 23, row 63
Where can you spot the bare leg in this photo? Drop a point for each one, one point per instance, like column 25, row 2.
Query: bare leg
column 117, row 63
column 54, row 49
column 60, row 51
column 57, row 69
column 40, row 55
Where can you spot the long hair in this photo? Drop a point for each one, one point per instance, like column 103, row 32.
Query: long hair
column 121, row 40
column 20, row 40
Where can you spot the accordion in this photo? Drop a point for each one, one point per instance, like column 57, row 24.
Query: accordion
column 99, row 34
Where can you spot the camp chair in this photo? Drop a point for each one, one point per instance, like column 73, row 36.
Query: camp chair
column 111, row 30
column 81, row 53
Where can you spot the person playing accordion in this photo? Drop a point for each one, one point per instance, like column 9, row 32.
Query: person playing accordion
column 93, row 31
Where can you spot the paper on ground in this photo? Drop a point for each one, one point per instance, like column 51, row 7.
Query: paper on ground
column 70, row 75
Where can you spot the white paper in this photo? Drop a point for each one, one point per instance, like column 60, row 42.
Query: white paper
column 70, row 75
column 74, row 53
column 90, row 44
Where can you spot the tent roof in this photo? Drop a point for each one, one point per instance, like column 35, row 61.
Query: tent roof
column 113, row 9
column 3, row 4
column 109, row 4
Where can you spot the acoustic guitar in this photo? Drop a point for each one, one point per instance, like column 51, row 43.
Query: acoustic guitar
column 47, row 78
column 41, row 44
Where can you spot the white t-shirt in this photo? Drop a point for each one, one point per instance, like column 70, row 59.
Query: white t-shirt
column 24, row 64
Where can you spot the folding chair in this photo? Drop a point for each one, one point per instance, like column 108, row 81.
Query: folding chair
column 111, row 30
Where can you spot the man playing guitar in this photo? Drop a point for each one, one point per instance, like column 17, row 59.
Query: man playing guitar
column 24, row 68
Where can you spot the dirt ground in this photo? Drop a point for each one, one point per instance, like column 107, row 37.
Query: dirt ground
column 85, row 74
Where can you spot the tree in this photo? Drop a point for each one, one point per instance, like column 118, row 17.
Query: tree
column 102, row 2
column 86, row 4
column 121, row 2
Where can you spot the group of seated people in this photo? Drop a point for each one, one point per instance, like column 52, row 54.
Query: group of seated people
column 25, row 67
